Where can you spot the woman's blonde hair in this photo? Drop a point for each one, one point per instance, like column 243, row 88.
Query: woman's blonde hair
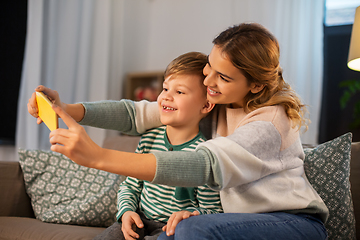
column 255, row 52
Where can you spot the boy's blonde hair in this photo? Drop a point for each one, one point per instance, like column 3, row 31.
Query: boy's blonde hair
column 191, row 63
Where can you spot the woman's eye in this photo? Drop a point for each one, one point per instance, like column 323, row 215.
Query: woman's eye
column 224, row 79
column 165, row 89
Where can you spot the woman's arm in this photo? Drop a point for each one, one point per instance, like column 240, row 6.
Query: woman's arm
column 115, row 115
column 147, row 116
column 76, row 111
column 125, row 115
column 78, row 146
column 187, row 169
column 184, row 169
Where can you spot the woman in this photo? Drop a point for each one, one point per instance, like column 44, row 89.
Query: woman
column 255, row 157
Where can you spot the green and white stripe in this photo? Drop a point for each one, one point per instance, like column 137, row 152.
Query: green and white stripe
column 156, row 201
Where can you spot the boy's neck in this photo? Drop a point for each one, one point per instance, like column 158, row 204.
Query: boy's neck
column 180, row 135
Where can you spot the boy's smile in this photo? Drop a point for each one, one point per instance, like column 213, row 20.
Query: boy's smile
column 181, row 101
column 167, row 108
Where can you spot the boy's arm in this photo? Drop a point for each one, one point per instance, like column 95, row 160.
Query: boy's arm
column 209, row 201
column 128, row 196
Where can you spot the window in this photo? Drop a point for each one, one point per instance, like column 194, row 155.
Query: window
column 12, row 44
column 334, row 121
column 340, row 12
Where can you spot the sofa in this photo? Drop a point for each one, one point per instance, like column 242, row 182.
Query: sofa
column 29, row 210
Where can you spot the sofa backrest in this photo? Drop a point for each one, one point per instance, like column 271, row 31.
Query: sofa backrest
column 14, row 200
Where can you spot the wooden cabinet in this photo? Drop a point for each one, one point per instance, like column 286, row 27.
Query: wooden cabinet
column 144, row 85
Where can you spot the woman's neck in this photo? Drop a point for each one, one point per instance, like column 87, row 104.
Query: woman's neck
column 234, row 105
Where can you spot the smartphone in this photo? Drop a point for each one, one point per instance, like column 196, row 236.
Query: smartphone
column 46, row 113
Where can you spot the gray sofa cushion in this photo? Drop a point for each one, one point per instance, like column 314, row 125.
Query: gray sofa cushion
column 62, row 191
column 328, row 169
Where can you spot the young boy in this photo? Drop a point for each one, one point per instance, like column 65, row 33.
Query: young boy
column 182, row 104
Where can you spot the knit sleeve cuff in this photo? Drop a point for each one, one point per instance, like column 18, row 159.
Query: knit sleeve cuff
column 115, row 115
column 187, row 169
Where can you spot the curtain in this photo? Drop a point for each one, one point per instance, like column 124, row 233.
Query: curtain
column 69, row 49
column 84, row 48
column 298, row 26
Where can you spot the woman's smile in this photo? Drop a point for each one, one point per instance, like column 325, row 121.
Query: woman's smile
column 225, row 83
column 212, row 92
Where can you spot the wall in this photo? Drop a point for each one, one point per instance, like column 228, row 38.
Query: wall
column 156, row 31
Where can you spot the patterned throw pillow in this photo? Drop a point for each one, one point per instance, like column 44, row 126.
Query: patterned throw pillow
column 328, row 169
column 62, row 191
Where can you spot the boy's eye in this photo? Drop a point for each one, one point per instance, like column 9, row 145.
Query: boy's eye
column 165, row 89
column 179, row 92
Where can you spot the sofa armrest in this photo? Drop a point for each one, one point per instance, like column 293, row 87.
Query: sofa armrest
column 14, row 200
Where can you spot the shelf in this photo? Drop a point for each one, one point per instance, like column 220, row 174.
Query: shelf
column 144, row 85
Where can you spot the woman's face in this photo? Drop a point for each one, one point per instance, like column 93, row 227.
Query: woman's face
column 225, row 83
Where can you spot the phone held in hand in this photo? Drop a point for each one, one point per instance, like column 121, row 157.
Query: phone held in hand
column 46, row 113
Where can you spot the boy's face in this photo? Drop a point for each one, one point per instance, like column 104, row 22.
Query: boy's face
column 182, row 101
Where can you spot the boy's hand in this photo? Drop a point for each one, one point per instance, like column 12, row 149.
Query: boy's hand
column 52, row 95
column 175, row 218
column 129, row 220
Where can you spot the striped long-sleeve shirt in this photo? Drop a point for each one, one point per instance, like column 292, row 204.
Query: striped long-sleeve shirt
column 156, row 201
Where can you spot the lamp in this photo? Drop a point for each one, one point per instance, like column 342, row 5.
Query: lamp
column 354, row 50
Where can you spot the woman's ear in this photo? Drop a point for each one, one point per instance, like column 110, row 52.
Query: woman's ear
column 255, row 88
column 207, row 107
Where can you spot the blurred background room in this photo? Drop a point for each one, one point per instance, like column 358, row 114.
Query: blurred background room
column 91, row 50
